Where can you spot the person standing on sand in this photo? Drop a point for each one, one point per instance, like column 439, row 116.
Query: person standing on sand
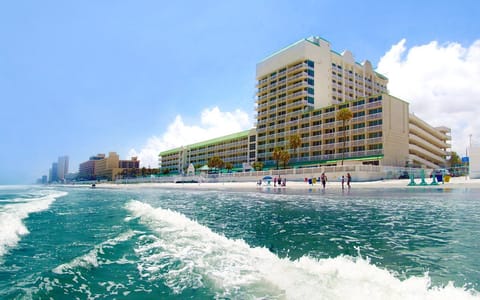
column 349, row 179
column 323, row 178
column 343, row 182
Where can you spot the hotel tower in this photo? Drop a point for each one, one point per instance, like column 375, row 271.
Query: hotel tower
column 299, row 91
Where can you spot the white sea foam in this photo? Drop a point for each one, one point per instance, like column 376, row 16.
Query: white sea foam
column 91, row 259
column 12, row 215
column 186, row 254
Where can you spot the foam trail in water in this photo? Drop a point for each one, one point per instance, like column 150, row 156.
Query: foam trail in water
column 91, row 259
column 186, row 254
column 12, row 215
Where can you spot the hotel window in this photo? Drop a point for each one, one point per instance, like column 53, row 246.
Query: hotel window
column 357, row 103
column 374, row 111
column 375, row 134
column 375, row 123
column 375, row 147
column 310, row 63
column 310, row 73
column 358, row 137
column 330, row 141
column 329, row 109
column 327, row 131
column 358, row 148
column 359, row 125
column 330, row 120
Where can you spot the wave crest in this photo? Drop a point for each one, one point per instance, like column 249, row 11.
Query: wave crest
column 186, row 254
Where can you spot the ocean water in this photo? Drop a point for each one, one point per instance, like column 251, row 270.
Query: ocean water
column 67, row 243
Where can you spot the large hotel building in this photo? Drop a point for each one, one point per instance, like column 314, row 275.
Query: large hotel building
column 300, row 89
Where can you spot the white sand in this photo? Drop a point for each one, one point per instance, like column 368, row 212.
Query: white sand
column 456, row 182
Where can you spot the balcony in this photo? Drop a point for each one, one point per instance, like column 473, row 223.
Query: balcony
column 374, row 128
column 297, row 103
column 297, row 67
column 374, row 116
column 375, row 104
column 296, row 85
column 295, row 77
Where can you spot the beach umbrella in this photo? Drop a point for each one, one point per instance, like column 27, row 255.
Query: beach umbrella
column 267, row 178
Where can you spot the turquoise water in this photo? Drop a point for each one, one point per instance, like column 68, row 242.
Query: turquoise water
column 65, row 243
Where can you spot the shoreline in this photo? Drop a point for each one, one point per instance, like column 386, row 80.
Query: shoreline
column 455, row 183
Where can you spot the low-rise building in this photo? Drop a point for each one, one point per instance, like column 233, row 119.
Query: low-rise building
column 106, row 167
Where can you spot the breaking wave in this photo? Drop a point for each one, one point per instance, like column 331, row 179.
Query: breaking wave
column 187, row 255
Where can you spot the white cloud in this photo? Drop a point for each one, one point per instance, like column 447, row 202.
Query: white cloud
column 441, row 83
column 213, row 123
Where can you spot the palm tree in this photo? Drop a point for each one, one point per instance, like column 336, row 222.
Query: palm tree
column 294, row 142
column 277, row 154
column 344, row 115
column 258, row 165
column 285, row 157
column 215, row 162
column 229, row 166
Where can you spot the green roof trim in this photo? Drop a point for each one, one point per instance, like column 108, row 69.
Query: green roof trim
column 225, row 138
column 309, row 39
column 381, row 76
column 281, row 50
column 242, row 134
column 335, row 52
column 171, row 151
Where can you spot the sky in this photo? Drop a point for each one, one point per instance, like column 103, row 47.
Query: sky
column 79, row 78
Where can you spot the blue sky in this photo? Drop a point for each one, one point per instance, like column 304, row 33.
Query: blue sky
column 84, row 77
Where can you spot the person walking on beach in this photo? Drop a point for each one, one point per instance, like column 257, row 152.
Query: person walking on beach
column 323, row 178
column 349, row 179
column 343, row 182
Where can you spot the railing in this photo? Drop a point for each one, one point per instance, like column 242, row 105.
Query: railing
column 359, row 173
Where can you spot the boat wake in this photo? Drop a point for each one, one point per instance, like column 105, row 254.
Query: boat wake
column 12, row 215
column 187, row 255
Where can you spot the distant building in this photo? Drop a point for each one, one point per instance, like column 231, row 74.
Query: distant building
column 62, row 169
column 42, row 180
column 87, row 169
column 108, row 168
column 53, row 173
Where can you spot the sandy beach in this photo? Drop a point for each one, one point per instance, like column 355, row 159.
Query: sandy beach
column 455, row 182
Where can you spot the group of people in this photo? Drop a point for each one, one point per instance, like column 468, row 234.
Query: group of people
column 276, row 181
column 279, row 181
column 323, row 179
